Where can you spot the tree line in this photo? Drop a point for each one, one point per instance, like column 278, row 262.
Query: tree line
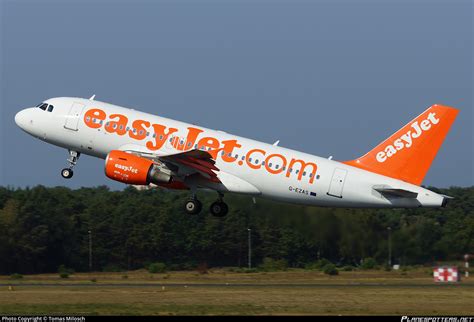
column 43, row 228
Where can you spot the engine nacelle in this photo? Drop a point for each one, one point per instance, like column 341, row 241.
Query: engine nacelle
column 131, row 169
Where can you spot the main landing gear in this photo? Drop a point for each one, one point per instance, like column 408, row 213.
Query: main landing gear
column 193, row 206
column 218, row 208
column 67, row 173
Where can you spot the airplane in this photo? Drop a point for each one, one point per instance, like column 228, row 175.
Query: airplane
column 152, row 151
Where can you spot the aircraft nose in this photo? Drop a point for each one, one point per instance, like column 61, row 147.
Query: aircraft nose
column 21, row 118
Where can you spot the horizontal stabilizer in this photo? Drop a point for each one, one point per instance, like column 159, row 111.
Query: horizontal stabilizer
column 397, row 192
column 447, row 197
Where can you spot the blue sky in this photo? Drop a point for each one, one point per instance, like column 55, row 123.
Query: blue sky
column 324, row 77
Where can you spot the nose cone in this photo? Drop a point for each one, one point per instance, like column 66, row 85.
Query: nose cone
column 24, row 119
column 20, row 119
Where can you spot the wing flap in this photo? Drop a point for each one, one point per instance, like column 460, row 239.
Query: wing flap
column 197, row 160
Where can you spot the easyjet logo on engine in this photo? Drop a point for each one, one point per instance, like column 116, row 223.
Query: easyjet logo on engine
column 407, row 139
column 158, row 134
column 126, row 168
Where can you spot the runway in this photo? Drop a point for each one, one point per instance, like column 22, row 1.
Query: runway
column 242, row 285
column 244, row 298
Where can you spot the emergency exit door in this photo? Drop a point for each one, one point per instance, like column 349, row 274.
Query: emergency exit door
column 337, row 183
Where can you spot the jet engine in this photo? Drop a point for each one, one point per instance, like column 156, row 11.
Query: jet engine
column 132, row 169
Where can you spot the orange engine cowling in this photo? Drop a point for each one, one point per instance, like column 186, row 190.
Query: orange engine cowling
column 131, row 169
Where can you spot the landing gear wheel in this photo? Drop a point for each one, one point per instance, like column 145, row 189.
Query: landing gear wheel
column 219, row 209
column 67, row 173
column 193, row 206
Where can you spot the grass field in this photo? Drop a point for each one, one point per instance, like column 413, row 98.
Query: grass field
column 219, row 292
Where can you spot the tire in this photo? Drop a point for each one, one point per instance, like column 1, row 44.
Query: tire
column 67, row 173
column 219, row 209
column 192, row 207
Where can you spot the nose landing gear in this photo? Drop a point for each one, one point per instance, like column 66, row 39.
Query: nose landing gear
column 67, row 173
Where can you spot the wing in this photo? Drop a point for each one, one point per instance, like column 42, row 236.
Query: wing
column 194, row 161
column 185, row 163
column 199, row 166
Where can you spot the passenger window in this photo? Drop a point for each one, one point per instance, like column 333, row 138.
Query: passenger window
column 223, row 153
column 250, row 159
column 50, row 108
column 256, row 161
column 277, row 166
column 297, row 171
column 154, row 135
column 236, row 156
column 161, row 137
column 311, row 175
column 263, row 162
column 304, row 173
column 270, row 164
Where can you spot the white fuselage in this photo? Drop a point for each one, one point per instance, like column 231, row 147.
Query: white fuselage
column 246, row 166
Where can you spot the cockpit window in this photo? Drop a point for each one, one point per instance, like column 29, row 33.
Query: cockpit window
column 43, row 106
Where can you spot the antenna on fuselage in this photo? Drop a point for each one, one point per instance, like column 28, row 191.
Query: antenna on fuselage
column 276, row 142
column 92, row 98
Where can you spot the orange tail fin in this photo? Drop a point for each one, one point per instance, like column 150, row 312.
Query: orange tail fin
column 407, row 154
